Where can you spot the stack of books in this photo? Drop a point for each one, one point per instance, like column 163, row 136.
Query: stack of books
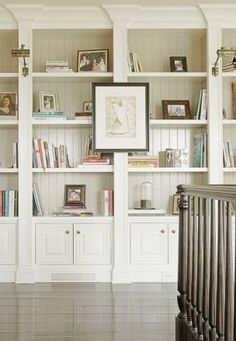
column 201, row 105
column 74, row 210
column 91, row 157
column 8, row 203
column 200, row 149
column 49, row 115
column 106, row 202
column 229, row 67
column 57, row 66
column 46, row 155
column 37, row 205
column 134, row 62
column 176, row 157
column 228, row 158
column 143, row 161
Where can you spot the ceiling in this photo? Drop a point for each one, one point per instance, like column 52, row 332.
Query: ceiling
column 100, row 2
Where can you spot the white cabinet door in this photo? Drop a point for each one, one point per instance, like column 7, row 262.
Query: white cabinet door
column 173, row 243
column 92, row 243
column 7, row 243
column 149, row 243
column 54, row 243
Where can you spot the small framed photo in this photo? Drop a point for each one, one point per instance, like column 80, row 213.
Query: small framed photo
column 120, row 117
column 175, row 109
column 175, row 205
column 178, row 64
column 8, row 105
column 92, row 60
column 87, row 107
column 75, row 195
column 48, row 101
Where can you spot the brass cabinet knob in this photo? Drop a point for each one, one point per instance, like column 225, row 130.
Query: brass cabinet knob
column 67, row 232
column 162, row 231
column 78, row 232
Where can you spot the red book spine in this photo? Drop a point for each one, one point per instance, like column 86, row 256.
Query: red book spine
column 40, row 153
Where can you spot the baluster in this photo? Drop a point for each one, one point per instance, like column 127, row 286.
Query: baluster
column 213, row 275
column 190, row 260
column 229, row 292
column 206, row 269
column 200, row 271
column 194, row 268
column 220, row 274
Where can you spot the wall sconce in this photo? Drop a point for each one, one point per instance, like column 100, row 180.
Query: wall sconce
column 222, row 53
column 22, row 53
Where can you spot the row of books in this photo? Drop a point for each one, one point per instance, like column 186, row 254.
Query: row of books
column 106, row 202
column 143, row 161
column 134, row 62
column 49, row 115
column 57, row 66
column 200, row 149
column 201, row 105
column 46, row 155
column 8, row 203
column 228, row 158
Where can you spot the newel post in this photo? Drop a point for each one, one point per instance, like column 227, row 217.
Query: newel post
column 182, row 265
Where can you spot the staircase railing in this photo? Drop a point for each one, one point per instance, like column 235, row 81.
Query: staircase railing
column 206, row 270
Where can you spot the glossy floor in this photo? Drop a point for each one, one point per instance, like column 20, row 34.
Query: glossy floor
column 87, row 312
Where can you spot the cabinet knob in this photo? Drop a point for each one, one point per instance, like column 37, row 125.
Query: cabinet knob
column 173, row 231
column 162, row 231
column 78, row 232
column 67, row 232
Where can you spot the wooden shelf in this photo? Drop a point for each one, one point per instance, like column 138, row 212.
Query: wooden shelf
column 79, row 169
column 94, row 218
column 81, row 122
column 41, row 75
column 8, row 75
column 8, row 170
column 167, row 170
column 5, row 123
column 174, row 123
column 167, row 74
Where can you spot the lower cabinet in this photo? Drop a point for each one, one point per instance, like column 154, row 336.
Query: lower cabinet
column 7, row 243
column 154, row 243
column 84, row 243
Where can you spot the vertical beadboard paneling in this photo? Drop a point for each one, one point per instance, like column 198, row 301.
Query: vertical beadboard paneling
column 51, row 189
column 8, row 182
column 64, row 44
column 8, row 41
column 154, row 47
column 7, row 137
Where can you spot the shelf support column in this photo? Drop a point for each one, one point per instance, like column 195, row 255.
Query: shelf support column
column 120, row 16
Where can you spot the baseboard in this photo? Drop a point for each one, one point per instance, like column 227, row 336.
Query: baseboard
column 25, row 274
column 7, row 273
column 121, row 275
column 154, row 274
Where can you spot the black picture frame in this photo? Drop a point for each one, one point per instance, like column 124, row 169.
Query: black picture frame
column 120, row 117
column 178, row 64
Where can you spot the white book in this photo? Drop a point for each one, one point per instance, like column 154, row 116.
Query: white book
column 51, row 156
column 226, row 155
column 230, row 151
column 15, row 155
column 11, row 204
column 37, row 200
column 203, row 111
column 104, row 202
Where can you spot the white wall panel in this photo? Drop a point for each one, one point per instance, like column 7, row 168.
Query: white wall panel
column 8, row 41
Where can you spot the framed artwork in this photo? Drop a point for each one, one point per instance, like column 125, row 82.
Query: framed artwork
column 120, row 117
column 92, row 60
column 75, row 195
column 8, row 105
column 178, row 64
column 87, row 107
column 175, row 204
column 48, row 101
column 175, row 109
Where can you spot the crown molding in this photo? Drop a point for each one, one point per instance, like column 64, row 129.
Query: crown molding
column 220, row 15
column 7, row 20
column 25, row 12
column 121, row 14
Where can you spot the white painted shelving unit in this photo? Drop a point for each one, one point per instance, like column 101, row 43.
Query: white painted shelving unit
column 122, row 248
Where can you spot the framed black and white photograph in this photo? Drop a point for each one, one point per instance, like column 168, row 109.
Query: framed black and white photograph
column 87, row 106
column 48, row 101
column 121, row 116
column 176, row 109
column 8, row 105
column 178, row 64
column 92, row 60
column 175, row 204
column 75, row 195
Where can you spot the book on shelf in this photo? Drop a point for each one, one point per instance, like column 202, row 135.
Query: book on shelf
column 57, row 66
column 48, row 115
column 148, row 213
column 134, row 62
column 46, row 155
column 200, row 112
column 143, row 161
column 200, row 149
column 8, row 203
column 37, row 205
column 15, row 155
column 95, row 161
column 228, row 158
column 106, row 199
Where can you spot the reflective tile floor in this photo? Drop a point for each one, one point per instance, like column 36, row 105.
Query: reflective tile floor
column 87, row 312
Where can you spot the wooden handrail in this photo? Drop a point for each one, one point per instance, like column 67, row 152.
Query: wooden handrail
column 206, row 274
